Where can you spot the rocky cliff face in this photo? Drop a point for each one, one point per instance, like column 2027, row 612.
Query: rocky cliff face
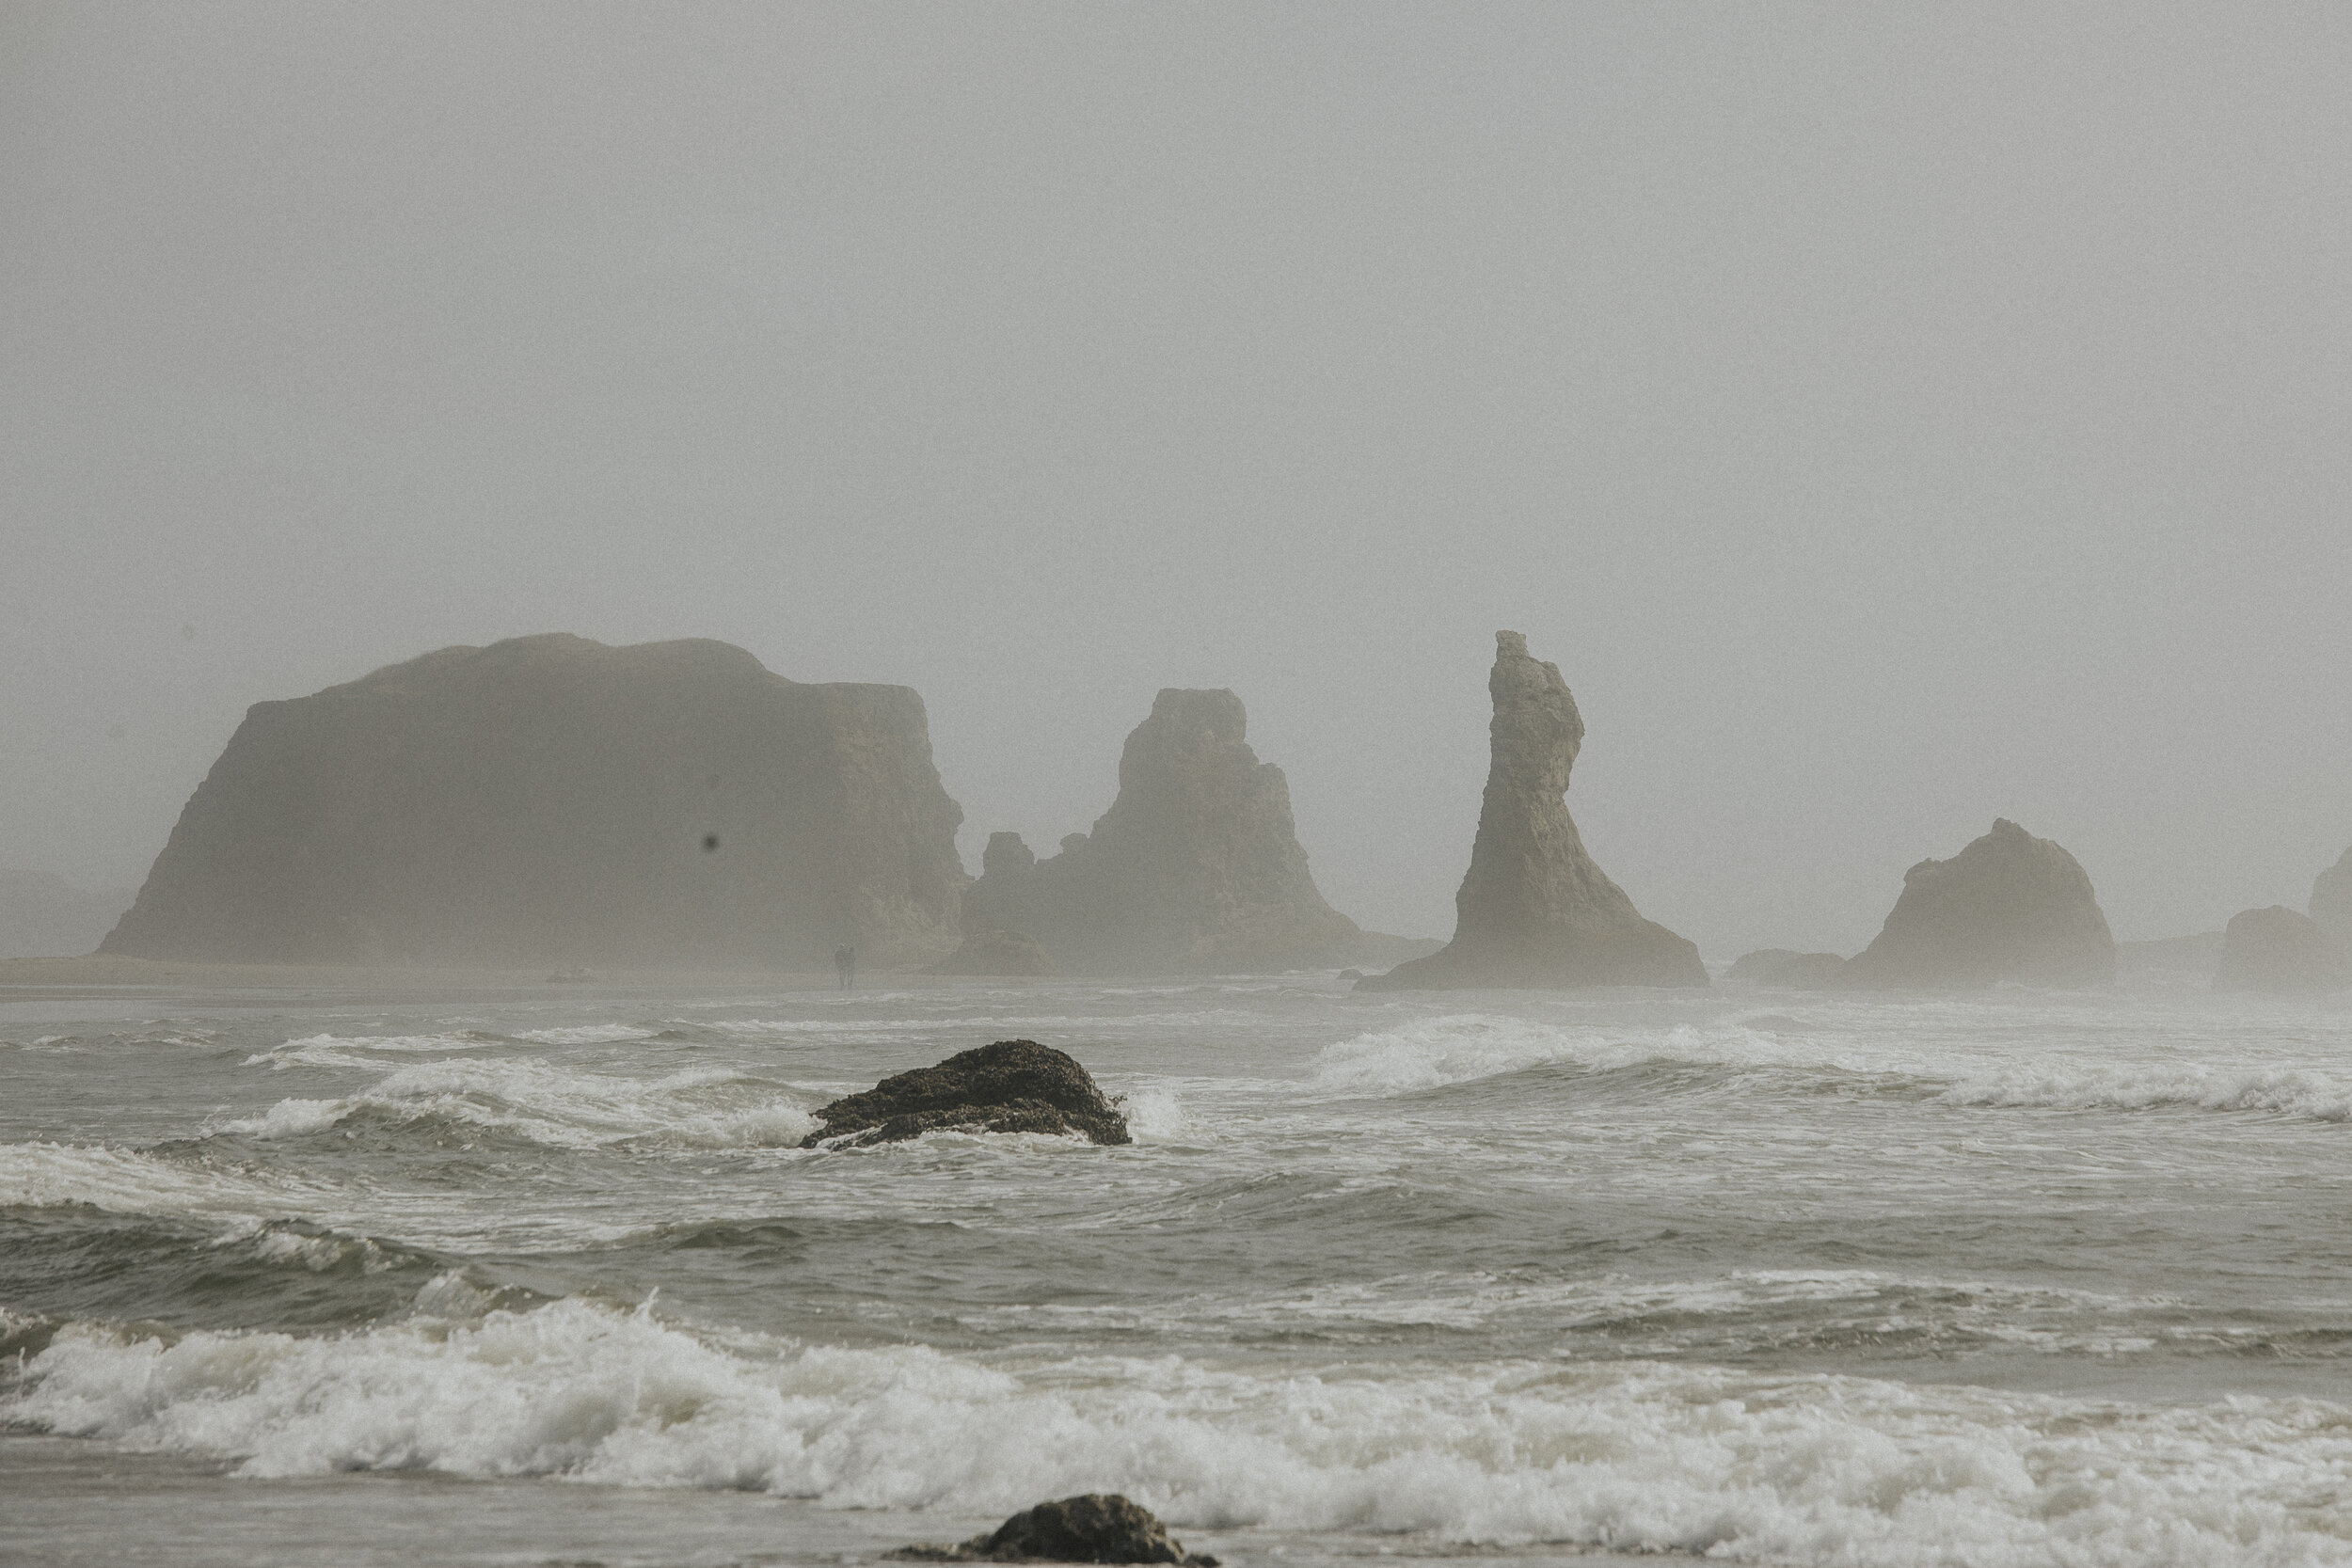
column 2277, row 950
column 1196, row 868
column 1534, row 910
column 2331, row 899
column 553, row 800
column 2008, row 907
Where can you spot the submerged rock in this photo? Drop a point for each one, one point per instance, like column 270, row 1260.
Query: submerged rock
column 1096, row 1527
column 1533, row 909
column 2277, row 950
column 2008, row 907
column 2331, row 899
column 551, row 800
column 1787, row 968
column 1196, row 868
column 1011, row 1087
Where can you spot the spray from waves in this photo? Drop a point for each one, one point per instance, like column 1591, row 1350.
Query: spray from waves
column 561, row 1107
column 1628, row 1455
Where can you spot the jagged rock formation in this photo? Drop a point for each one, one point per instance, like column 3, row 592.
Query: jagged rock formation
column 1534, row 910
column 1787, row 968
column 1097, row 1527
column 2277, row 950
column 1011, row 1087
column 2331, row 899
column 1195, row 868
column 551, row 800
column 2008, row 907
column 44, row 916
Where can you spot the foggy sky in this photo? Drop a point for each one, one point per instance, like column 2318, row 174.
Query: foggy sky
column 1889, row 418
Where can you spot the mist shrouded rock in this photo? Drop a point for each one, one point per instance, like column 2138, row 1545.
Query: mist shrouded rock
column 1534, row 910
column 43, row 915
column 551, row 799
column 2331, row 899
column 2278, row 949
column 1196, row 868
column 2008, row 907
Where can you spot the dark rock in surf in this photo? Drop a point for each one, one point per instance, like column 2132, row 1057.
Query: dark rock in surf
column 2277, row 950
column 1097, row 1527
column 1786, row 969
column 1011, row 1087
column 1533, row 909
column 2008, row 907
column 2331, row 899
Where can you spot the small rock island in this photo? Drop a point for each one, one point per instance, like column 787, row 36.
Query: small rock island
column 1011, row 1087
column 2008, row 907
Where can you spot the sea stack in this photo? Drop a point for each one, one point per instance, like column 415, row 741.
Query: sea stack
column 1195, row 868
column 2331, row 899
column 551, row 800
column 2008, row 907
column 2277, row 950
column 1534, row 911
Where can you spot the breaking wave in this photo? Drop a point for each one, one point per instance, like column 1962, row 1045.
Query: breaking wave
column 1637, row 1456
column 1464, row 1047
column 560, row 1107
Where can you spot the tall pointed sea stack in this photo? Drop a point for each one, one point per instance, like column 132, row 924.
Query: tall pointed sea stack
column 2008, row 907
column 1534, row 910
column 553, row 800
column 2331, row 899
column 1196, row 866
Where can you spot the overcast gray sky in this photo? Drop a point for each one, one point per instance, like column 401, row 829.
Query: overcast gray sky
column 1887, row 417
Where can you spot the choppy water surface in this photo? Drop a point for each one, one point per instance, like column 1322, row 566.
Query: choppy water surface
column 2023, row 1278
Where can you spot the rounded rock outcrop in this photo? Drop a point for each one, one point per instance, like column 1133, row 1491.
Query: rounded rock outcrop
column 2331, row 899
column 2009, row 907
column 2280, row 950
column 1009, row 1087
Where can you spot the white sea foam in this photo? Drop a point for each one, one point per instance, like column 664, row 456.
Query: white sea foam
column 352, row 1051
column 1630, row 1455
column 122, row 1180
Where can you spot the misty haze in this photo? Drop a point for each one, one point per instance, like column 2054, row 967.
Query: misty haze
column 1028, row 782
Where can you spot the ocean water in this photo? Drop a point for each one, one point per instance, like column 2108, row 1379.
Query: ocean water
column 2016, row 1278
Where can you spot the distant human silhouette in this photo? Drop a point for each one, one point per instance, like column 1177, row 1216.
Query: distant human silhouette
column 845, row 965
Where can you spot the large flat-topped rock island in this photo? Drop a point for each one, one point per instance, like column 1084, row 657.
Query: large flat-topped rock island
column 554, row 801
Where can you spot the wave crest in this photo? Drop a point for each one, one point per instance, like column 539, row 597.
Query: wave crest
column 1631, row 1455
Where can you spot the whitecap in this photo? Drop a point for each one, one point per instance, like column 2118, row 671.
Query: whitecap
column 1629, row 1456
